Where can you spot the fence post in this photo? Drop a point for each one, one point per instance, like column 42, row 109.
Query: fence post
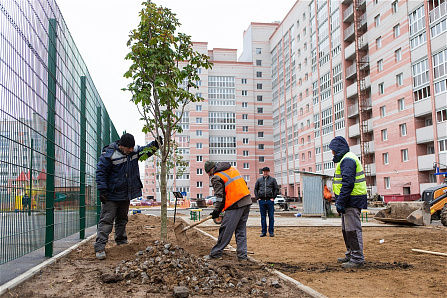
column 49, row 198
column 98, row 153
column 31, row 178
column 82, row 167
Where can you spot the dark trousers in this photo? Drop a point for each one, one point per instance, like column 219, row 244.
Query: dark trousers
column 267, row 206
column 234, row 221
column 112, row 212
column 352, row 234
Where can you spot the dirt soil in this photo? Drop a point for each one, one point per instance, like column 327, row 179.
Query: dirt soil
column 147, row 267
column 392, row 269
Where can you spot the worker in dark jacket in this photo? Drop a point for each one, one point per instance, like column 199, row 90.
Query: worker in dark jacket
column 118, row 181
column 266, row 190
column 233, row 197
column 349, row 187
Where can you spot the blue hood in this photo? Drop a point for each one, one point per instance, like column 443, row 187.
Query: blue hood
column 340, row 147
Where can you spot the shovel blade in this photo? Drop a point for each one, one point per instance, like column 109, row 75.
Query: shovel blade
column 180, row 234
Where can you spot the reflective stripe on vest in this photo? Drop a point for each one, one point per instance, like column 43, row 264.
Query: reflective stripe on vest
column 360, row 181
column 235, row 186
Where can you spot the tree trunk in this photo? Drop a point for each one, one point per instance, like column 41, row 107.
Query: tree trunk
column 164, row 199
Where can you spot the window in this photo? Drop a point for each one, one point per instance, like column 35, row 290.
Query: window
column 198, row 133
column 394, row 7
column 259, row 86
column 261, row 159
column 382, row 111
column 377, row 20
column 199, row 145
column 245, row 153
column 247, row 178
column 244, row 92
column 259, row 98
column 198, row 108
column 199, row 171
column 261, row 146
column 199, row 184
column 384, row 134
column 398, row 55
column 441, row 115
column 403, row 129
column 244, row 116
column 442, row 145
column 385, row 158
column 245, row 104
column 245, row 141
column 400, row 79
column 401, row 104
column 380, row 65
column 309, row 154
column 244, row 81
column 260, row 134
column 259, row 74
column 246, row 165
column 387, row 182
column 404, row 155
column 258, row 62
column 396, row 30
column 222, row 120
column 260, row 122
column 245, row 128
column 258, row 51
column 260, row 110
column 378, row 43
column 199, row 158
column 381, row 88
column 199, row 120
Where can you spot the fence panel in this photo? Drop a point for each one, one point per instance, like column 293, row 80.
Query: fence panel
column 53, row 125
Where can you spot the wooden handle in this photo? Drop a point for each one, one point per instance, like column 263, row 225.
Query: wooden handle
column 197, row 223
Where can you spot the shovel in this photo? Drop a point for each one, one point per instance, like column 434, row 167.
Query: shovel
column 180, row 231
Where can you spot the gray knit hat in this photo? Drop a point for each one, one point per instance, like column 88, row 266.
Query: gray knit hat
column 209, row 165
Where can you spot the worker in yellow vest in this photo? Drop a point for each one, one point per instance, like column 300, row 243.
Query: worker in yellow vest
column 349, row 187
column 233, row 197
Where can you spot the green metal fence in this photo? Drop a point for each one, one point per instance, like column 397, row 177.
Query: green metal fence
column 53, row 126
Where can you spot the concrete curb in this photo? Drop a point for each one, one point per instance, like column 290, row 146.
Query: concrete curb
column 305, row 289
column 36, row 270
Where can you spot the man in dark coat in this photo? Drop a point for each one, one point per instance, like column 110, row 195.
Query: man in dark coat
column 349, row 187
column 118, row 181
column 266, row 190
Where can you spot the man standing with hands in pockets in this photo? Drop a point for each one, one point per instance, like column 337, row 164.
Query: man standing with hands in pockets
column 266, row 190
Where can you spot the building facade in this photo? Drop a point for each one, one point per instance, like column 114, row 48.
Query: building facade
column 374, row 72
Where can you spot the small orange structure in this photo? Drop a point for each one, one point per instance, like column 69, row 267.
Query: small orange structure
column 327, row 194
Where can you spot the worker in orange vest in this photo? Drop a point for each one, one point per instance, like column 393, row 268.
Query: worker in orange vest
column 233, row 197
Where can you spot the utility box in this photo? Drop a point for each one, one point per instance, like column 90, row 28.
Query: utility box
column 313, row 200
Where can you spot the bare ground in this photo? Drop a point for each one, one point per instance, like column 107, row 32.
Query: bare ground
column 307, row 254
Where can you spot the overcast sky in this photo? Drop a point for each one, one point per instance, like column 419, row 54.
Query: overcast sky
column 100, row 29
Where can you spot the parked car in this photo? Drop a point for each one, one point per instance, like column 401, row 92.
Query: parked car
column 279, row 199
column 135, row 202
column 210, row 200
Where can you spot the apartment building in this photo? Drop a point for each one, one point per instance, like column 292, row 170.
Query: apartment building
column 374, row 72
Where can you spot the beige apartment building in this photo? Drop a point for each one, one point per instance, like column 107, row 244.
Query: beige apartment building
column 374, row 72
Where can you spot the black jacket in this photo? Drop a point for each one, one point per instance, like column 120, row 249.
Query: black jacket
column 266, row 188
column 348, row 172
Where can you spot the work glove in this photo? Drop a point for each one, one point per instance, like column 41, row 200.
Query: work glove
column 159, row 141
column 103, row 197
column 215, row 213
column 340, row 209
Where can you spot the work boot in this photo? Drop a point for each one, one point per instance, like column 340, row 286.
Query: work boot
column 272, row 235
column 262, row 235
column 208, row 257
column 343, row 260
column 352, row 265
column 242, row 260
column 101, row 255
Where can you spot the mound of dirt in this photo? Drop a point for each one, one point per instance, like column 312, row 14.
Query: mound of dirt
column 148, row 267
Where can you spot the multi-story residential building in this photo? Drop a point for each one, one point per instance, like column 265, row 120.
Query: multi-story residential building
column 374, row 72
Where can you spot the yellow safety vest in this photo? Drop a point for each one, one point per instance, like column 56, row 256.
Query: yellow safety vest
column 360, row 181
column 235, row 186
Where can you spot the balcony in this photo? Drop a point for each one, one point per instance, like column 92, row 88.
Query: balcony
column 350, row 51
column 353, row 110
column 422, row 107
column 438, row 12
column 351, row 90
column 442, row 130
column 424, row 135
column 349, row 33
column 351, row 71
column 348, row 14
column 425, row 162
column 372, row 168
column 354, row 130
column 356, row 149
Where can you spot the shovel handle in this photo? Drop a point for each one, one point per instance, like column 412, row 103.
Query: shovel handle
column 197, row 223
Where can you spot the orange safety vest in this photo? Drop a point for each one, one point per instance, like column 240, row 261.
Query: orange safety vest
column 235, row 186
column 327, row 194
